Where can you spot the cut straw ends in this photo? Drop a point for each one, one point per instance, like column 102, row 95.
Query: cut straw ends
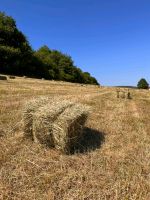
column 68, row 127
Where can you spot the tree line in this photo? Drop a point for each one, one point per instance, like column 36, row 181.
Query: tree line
column 18, row 58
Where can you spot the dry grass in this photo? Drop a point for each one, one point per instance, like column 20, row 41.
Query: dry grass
column 114, row 155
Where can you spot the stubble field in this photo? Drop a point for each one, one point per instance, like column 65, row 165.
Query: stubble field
column 112, row 161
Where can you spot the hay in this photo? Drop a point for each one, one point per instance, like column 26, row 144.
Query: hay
column 118, row 93
column 3, row 77
column 29, row 109
column 43, row 119
column 128, row 95
column 12, row 77
column 124, row 94
column 54, row 122
column 68, row 127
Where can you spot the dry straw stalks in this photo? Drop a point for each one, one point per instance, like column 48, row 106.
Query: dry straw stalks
column 67, row 129
column 43, row 119
column 54, row 122
column 28, row 112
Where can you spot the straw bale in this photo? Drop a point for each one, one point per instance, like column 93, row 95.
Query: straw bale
column 29, row 109
column 43, row 119
column 12, row 77
column 118, row 93
column 128, row 94
column 68, row 127
column 3, row 77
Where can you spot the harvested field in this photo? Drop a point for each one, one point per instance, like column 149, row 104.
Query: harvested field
column 112, row 160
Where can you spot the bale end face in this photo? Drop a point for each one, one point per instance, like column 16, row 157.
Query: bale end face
column 68, row 128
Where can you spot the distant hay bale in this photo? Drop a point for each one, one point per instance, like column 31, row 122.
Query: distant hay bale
column 123, row 94
column 44, row 118
column 68, row 127
column 118, row 93
column 3, row 77
column 29, row 109
column 128, row 94
column 12, row 77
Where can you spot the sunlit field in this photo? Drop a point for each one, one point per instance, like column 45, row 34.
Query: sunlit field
column 113, row 161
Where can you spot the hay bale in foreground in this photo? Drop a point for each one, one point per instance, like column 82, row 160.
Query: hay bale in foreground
column 68, row 127
column 29, row 109
column 3, row 77
column 54, row 122
column 44, row 118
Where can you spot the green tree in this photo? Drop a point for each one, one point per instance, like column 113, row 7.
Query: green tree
column 43, row 54
column 60, row 66
column 16, row 55
column 18, row 58
column 14, row 48
column 143, row 84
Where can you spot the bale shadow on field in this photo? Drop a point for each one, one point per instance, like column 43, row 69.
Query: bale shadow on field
column 91, row 140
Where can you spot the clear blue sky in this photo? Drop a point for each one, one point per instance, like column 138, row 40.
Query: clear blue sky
column 108, row 38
